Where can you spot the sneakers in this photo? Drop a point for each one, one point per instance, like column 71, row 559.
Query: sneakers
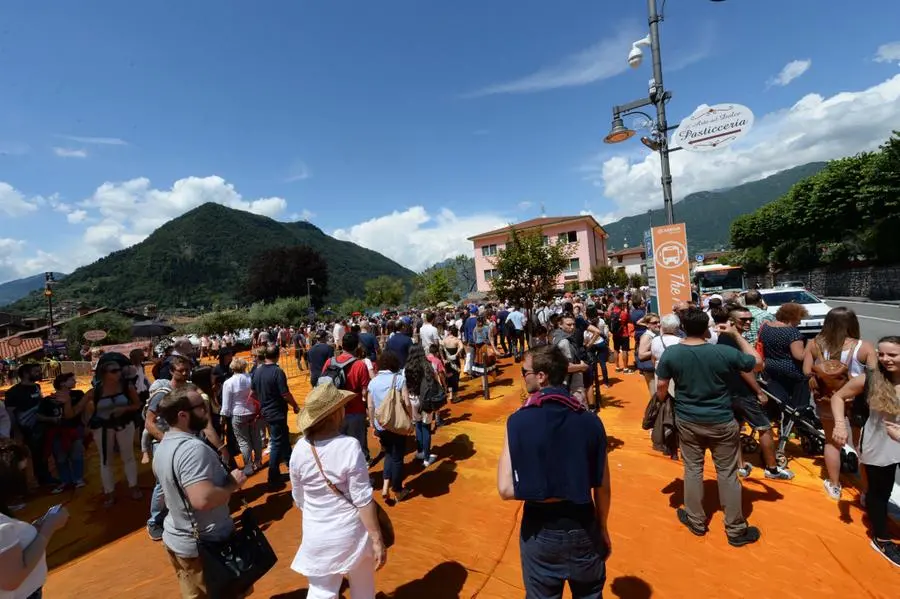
column 80, row 484
column 888, row 550
column 745, row 470
column 750, row 535
column 779, row 474
column 420, row 455
column 431, row 459
column 833, row 491
column 155, row 532
column 684, row 519
column 58, row 489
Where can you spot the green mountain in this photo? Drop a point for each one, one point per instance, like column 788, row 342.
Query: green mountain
column 201, row 257
column 708, row 214
column 19, row 288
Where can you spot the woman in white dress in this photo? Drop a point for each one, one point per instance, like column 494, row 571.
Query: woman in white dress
column 330, row 484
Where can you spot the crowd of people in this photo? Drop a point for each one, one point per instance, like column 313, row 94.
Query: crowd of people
column 716, row 375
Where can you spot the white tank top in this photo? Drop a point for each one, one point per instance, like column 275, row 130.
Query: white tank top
column 850, row 357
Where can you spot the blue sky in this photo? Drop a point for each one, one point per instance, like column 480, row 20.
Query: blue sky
column 405, row 126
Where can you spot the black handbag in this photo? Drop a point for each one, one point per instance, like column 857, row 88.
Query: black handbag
column 231, row 566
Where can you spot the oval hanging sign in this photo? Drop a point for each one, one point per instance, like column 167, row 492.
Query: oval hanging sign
column 14, row 341
column 713, row 127
column 95, row 335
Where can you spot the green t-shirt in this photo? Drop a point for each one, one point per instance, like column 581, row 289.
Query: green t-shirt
column 701, row 374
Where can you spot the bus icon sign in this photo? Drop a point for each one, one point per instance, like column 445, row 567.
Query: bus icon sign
column 671, row 254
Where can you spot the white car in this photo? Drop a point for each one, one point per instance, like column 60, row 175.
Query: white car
column 812, row 324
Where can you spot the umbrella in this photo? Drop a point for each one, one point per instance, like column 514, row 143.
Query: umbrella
column 151, row 328
column 443, row 304
column 356, row 314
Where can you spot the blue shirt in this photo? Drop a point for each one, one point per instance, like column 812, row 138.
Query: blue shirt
column 368, row 341
column 399, row 344
column 469, row 329
column 379, row 387
column 556, row 452
column 518, row 319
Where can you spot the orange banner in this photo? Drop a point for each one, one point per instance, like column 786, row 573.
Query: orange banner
column 673, row 269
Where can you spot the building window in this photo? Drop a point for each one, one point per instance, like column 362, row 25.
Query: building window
column 490, row 273
column 570, row 237
column 574, row 264
column 545, row 240
column 489, row 250
column 619, row 259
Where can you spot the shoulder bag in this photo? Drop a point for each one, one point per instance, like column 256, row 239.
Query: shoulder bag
column 393, row 414
column 830, row 374
column 384, row 521
column 231, row 566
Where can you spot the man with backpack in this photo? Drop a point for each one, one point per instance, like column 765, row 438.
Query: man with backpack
column 618, row 326
column 348, row 373
column 563, row 338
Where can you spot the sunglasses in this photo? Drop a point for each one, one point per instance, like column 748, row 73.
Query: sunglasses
column 746, row 319
column 526, row 372
column 202, row 404
column 653, row 322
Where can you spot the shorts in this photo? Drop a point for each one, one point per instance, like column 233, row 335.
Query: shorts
column 622, row 343
column 749, row 410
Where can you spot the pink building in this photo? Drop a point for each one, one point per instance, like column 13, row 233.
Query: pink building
column 583, row 230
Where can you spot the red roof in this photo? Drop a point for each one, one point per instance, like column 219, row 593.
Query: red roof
column 543, row 221
column 29, row 345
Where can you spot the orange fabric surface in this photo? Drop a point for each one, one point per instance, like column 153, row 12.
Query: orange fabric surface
column 456, row 538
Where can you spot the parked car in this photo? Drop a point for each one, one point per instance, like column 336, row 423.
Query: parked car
column 795, row 283
column 812, row 325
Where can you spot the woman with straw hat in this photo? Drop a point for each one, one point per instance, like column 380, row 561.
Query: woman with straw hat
column 330, row 481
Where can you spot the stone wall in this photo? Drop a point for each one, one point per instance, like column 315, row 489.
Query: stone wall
column 873, row 282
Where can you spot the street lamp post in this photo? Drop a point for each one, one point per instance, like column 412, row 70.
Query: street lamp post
column 309, row 283
column 48, row 293
column 658, row 141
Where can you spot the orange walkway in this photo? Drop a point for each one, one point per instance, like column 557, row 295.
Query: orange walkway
column 456, row 538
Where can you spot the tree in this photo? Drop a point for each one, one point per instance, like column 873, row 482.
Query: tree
column 117, row 327
column 384, row 292
column 283, row 272
column 602, row 275
column 219, row 322
column 636, row 281
column 349, row 306
column 620, row 279
column 435, row 285
column 527, row 271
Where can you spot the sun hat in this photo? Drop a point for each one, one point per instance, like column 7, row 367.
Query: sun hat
column 322, row 401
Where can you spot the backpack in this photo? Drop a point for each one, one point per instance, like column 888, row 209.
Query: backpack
column 431, row 394
column 615, row 321
column 335, row 373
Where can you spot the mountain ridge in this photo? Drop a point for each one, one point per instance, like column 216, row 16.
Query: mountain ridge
column 16, row 289
column 708, row 214
column 199, row 259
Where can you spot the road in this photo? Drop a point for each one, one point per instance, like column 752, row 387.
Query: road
column 875, row 320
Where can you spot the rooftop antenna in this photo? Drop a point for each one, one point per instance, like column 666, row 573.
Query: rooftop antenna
column 543, row 210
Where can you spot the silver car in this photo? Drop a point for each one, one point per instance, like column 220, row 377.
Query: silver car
column 812, row 324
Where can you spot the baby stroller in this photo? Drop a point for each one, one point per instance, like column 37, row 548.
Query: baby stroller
column 800, row 420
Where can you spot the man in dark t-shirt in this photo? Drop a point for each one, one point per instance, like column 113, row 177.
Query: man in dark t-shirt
column 400, row 343
column 23, row 402
column 704, row 417
column 368, row 341
column 269, row 384
column 317, row 356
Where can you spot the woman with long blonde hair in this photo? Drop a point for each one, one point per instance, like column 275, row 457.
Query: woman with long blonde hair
column 880, row 442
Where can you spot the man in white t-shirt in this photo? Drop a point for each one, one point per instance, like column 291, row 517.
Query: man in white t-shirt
column 428, row 334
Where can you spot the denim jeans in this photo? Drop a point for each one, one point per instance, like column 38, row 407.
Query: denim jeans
column 34, row 440
column 423, row 438
column 518, row 343
column 69, row 463
column 354, row 425
column 279, row 448
column 552, row 557
column 248, row 431
column 394, row 447
column 158, row 509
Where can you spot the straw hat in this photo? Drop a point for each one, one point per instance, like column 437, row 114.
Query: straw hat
column 322, row 401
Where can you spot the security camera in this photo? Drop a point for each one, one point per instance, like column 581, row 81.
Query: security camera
column 635, row 57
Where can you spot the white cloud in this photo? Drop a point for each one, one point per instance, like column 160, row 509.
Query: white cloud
column 299, row 171
column 791, row 71
column 130, row 210
column 76, row 216
column 14, row 263
column 524, row 205
column 98, row 141
column 888, row 53
column 70, row 153
column 417, row 239
column 603, row 60
column 13, row 203
column 304, row 214
column 815, row 128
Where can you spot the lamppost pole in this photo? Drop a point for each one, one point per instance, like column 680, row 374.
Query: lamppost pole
column 309, row 282
column 48, row 293
column 659, row 100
